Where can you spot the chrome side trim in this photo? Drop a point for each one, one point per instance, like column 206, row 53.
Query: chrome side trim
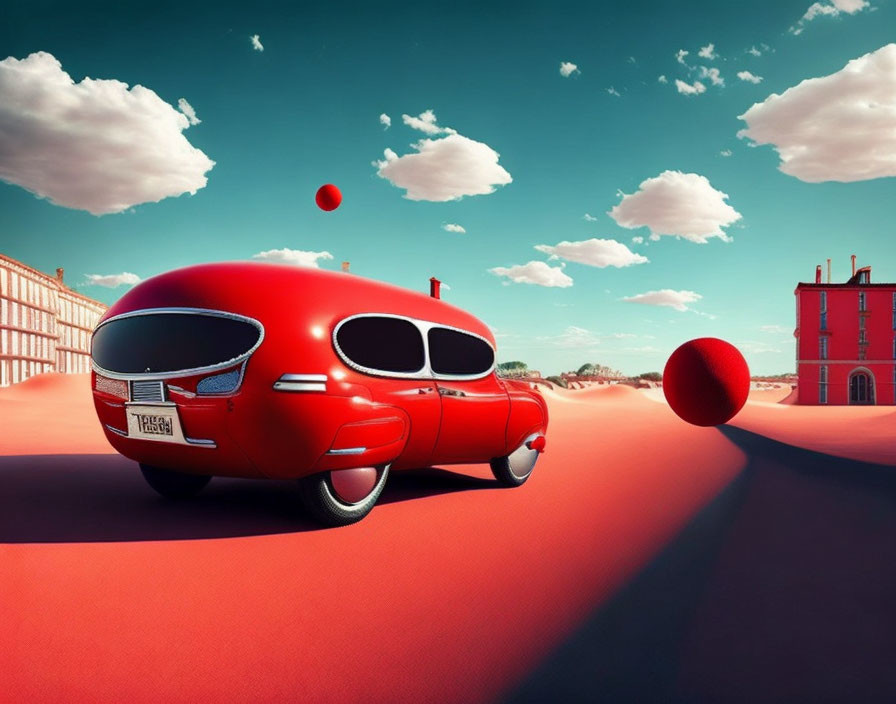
column 301, row 382
column 348, row 451
column 298, row 386
column 426, row 372
column 181, row 372
column 116, row 430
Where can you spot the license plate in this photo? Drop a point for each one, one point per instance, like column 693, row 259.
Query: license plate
column 154, row 425
column 156, row 422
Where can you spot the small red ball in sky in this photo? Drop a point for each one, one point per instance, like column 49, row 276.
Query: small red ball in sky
column 706, row 381
column 328, row 197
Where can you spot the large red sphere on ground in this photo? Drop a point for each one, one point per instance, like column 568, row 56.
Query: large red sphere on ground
column 706, row 381
column 328, row 197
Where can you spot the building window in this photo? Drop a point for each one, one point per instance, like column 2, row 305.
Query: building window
column 823, row 383
column 862, row 301
column 863, row 337
column 823, row 301
column 823, row 347
column 823, row 323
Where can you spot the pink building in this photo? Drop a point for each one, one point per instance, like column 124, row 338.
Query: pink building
column 846, row 340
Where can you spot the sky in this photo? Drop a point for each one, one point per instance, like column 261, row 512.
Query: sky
column 598, row 182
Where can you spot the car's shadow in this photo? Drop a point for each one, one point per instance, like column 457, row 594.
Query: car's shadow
column 103, row 498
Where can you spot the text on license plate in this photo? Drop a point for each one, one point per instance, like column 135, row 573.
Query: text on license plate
column 154, row 425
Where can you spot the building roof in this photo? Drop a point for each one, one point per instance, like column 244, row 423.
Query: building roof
column 52, row 280
column 846, row 285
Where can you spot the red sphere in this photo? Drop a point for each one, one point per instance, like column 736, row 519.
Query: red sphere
column 706, row 381
column 328, row 197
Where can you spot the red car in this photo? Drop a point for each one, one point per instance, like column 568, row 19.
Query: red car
column 264, row 370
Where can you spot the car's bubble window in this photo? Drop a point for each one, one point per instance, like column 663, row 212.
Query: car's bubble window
column 452, row 352
column 379, row 343
column 165, row 342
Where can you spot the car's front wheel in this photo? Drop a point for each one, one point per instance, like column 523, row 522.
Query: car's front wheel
column 514, row 469
column 342, row 497
column 173, row 485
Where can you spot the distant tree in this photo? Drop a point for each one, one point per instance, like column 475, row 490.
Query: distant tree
column 651, row 376
column 559, row 381
column 515, row 367
column 596, row 369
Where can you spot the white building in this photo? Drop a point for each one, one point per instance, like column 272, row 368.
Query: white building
column 44, row 325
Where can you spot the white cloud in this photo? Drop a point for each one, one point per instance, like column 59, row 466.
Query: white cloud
column 567, row 69
column 444, row 169
column 675, row 203
column 688, row 89
column 663, row 79
column 708, row 52
column 594, row 252
column 754, row 51
column 753, row 347
column 93, row 145
column 612, row 91
column 426, row 122
column 451, row 227
column 386, row 120
column 590, row 218
column 834, row 128
column 679, row 56
column 296, row 257
column 747, row 76
column 666, row 297
column 713, row 75
column 113, row 280
column 537, row 273
column 725, row 152
column 256, row 43
column 637, row 239
column 775, row 329
column 188, row 110
column 829, row 9
column 573, row 337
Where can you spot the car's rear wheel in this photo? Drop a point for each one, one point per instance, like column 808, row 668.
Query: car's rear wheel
column 514, row 469
column 342, row 497
column 174, row 485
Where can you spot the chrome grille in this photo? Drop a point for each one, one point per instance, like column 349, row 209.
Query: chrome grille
column 148, row 391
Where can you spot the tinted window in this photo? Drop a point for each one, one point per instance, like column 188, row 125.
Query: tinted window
column 453, row 352
column 383, row 344
column 169, row 342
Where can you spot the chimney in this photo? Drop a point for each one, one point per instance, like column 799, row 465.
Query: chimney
column 853, row 257
column 818, row 274
column 434, row 285
column 59, row 274
column 345, row 266
column 829, row 271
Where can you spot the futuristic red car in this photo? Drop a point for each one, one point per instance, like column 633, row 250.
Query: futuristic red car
column 263, row 370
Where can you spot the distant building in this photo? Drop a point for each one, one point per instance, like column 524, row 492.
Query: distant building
column 44, row 325
column 846, row 340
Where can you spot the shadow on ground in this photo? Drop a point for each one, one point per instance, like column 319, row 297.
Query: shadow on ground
column 103, row 498
column 781, row 590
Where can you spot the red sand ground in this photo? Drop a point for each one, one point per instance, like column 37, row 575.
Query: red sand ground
column 449, row 595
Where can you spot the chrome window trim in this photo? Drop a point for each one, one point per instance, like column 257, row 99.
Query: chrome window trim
column 181, row 372
column 423, row 327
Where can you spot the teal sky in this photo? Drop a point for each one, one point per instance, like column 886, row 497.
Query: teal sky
column 305, row 111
